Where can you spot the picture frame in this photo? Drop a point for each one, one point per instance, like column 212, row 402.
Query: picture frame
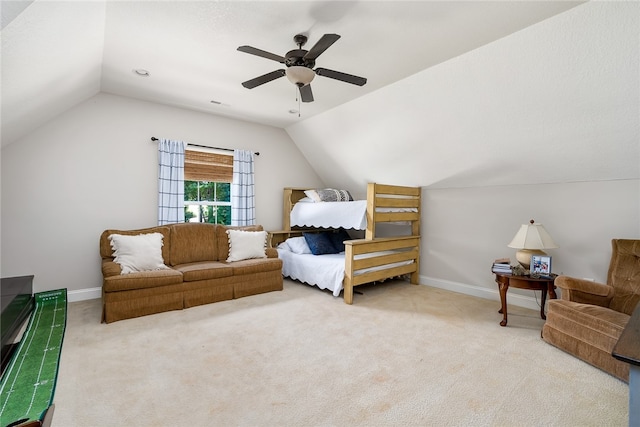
column 541, row 265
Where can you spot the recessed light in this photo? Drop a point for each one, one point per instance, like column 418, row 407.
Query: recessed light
column 141, row 72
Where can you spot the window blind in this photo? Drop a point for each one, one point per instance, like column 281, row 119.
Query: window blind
column 204, row 166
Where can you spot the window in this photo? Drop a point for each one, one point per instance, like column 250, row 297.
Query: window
column 207, row 187
column 207, row 202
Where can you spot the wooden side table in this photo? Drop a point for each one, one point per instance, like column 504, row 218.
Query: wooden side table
column 506, row 280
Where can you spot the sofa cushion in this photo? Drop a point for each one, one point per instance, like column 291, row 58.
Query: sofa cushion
column 193, row 242
column 141, row 280
column 107, row 252
column 204, row 270
column 252, row 266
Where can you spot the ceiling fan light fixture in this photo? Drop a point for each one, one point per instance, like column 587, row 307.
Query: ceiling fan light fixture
column 299, row 75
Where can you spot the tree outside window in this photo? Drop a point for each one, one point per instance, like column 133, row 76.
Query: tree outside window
column 207, row 202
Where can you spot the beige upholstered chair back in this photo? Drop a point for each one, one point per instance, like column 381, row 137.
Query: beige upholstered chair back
column 624, row 275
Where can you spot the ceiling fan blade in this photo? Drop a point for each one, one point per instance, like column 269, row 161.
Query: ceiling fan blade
column 322, row 45
column 262, row 53
column 348, row 78
column 306, row 94
column 266, row 78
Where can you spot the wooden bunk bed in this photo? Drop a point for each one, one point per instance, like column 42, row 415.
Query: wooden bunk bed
column 372, row 258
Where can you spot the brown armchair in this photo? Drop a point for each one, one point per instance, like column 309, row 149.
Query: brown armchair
column 589, row 318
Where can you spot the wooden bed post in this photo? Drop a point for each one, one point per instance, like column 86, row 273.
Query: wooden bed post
column 371, row 211
column 415, row 276
column 286, row 209
column 291, row 196
column 347, row 284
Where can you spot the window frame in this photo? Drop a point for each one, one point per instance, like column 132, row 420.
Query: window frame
column 200, row 164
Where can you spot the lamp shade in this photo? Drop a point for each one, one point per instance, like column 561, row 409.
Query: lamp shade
column 530, row 240
column 532, row 236
column 299, row 75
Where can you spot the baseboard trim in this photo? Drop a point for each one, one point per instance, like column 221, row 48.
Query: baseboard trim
column 84, row 294
column 491, row 294
column 461, row 288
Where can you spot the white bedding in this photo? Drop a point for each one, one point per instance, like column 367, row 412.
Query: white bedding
column 323, row 271
column 348, row 215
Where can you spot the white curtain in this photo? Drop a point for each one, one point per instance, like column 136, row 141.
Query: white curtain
column 243, row 209
column 170, row 181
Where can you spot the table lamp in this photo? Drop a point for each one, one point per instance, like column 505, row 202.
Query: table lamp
column 530, row 240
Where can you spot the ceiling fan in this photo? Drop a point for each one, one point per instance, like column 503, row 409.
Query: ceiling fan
column 300, row 63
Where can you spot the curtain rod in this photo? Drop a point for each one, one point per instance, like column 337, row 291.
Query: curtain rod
column 153, row 138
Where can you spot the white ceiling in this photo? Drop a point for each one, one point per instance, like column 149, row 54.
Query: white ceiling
column 56, row 54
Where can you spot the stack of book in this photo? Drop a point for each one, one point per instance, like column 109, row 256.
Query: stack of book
column 502, row 265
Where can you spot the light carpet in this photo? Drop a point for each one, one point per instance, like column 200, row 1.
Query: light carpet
column 401, row 355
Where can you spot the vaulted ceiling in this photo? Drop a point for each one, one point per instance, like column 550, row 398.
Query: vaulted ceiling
column 56, row 54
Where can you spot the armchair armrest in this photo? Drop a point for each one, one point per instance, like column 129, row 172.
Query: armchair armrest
column 584, row 291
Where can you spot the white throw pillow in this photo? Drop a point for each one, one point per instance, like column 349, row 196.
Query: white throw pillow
column 329, row 195
column 312, row 195
column 284, row 246
column 246, row 244
column 142, row 252
column 298, row 245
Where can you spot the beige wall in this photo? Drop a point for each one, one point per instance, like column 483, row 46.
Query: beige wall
column 465, row 229
column 94, row 167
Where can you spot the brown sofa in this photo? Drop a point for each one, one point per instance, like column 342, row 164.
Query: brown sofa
column 588, row 320
column 199, row 274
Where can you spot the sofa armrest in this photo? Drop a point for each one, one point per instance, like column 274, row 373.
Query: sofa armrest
column 110, row 268
column 584, row 291
column 271, row 253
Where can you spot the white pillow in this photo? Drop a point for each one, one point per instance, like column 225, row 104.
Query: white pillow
column 298, row 245
column 246, row 244
column 312, row 195
column 329, row 195
column 284, row 246
column 138, row 253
